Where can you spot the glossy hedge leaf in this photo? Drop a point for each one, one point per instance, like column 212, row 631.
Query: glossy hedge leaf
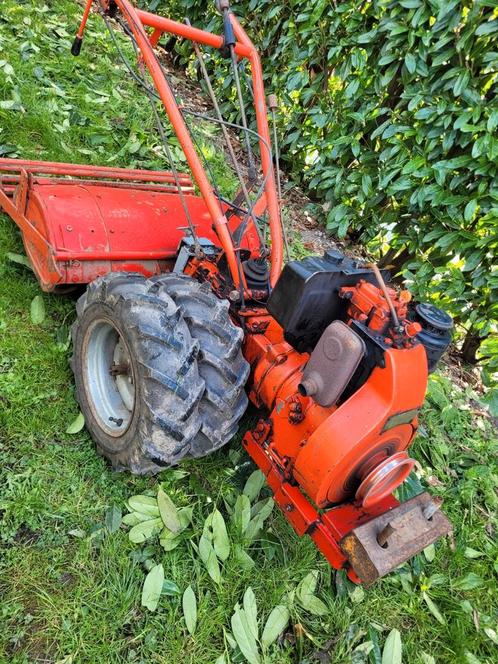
column 373, row 113
column 410, row 62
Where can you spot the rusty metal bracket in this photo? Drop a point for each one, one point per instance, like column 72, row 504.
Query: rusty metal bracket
column 382, row 544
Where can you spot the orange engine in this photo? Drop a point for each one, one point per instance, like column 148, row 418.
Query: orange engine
column 340, row 416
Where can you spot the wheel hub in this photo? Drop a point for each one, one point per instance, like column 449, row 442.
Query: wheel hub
column 109, row 378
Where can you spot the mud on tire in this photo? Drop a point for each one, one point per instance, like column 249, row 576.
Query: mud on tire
column 220, row 361
column 145, row 374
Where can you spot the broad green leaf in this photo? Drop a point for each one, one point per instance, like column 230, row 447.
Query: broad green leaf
column 257, row 522
column 241, row 513
column 275, row 625
column 391, row 653
column 168, row 540
column 427, row 659
column 153, row 587
column 307, row 599
column 255, row 482
column 145, row 530
column 375, row 654
column 170, row 588
column 76, row 425
column 37, row 310
column 472, row 553
column 168, row 512
column 189, row 603
column 433, row 609
column 468, row 582
column 244, row 637
column 215, row 530
column 410, row 62
column 19, row 258
column 113, row 519
column 430, row 553
column 491, row 634
column 133, row 518
column 251, row 611
column 243, row 558
column 221, row 659
column 208, row 557
column 144, row 505
column 307, row 586
column 358, row 595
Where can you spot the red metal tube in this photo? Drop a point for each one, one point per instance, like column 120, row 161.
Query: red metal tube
column 9, row 182
column 86, row 13
column 188, row 32
column 60, row 256
column 167, row 97
column 80, row 170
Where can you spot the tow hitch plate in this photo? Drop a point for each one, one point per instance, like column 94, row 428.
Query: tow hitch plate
column 402, row 532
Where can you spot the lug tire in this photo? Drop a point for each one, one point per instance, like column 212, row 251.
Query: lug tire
column 220, row 361
column 177, row 409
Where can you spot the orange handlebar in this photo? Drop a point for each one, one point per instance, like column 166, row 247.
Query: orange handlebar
column 136, row 20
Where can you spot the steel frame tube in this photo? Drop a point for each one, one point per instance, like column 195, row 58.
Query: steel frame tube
column 132, row 17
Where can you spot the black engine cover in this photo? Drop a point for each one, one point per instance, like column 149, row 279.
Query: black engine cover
column 306, row 299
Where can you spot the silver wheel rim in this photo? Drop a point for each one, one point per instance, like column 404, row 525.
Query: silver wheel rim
column 109, row 379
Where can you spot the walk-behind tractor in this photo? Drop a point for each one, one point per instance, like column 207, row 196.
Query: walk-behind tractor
column 188, row 315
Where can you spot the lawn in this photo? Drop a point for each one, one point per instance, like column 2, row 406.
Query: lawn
column 70, row 578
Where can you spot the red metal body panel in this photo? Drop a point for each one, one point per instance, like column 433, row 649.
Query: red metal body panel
column 101, row 219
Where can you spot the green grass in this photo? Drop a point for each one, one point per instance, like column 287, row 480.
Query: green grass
column 70, row 590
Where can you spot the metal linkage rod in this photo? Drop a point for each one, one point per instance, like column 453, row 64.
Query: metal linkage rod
column 226, row 135
column 273, row 106
column 229, row 44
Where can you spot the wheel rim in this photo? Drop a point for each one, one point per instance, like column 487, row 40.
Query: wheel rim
column 109, row 378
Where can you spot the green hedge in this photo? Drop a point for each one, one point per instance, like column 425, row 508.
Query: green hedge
column 389, row 116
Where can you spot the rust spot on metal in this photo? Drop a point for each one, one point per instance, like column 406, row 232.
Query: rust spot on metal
column 405, row 530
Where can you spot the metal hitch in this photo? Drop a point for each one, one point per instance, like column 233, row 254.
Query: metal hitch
column 385, row 542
